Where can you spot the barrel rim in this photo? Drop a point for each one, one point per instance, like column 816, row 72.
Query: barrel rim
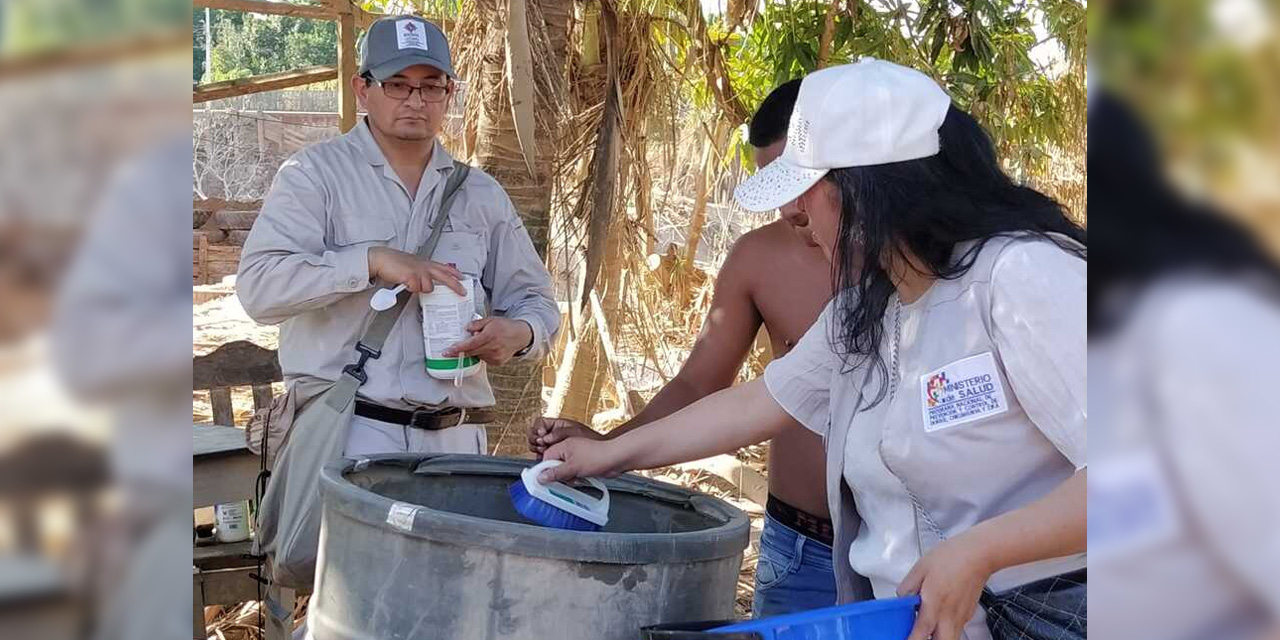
column 726, row 540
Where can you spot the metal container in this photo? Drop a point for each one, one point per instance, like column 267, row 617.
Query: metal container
column 429, row 546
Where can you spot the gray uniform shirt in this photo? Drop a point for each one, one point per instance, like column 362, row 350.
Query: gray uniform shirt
column 305, row 265
column 1183, row 508
column 984, row 413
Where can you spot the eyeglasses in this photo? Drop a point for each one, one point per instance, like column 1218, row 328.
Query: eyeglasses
column 401, row 90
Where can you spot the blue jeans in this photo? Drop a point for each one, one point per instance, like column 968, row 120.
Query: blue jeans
column 1056, row 608
column 794, row 573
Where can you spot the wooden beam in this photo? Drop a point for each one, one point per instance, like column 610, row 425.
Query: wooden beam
column 363, row 18
column 327, row 12
column 259, row 84
column 271, row 8
column 346, row 66
column 95, row 54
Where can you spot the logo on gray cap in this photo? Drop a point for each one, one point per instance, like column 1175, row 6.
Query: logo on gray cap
column 395, row 43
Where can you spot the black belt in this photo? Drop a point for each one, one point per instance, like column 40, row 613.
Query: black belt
column 810, row 526
column 428, row 419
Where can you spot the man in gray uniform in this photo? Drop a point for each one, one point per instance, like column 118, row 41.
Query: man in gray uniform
column 346, row 217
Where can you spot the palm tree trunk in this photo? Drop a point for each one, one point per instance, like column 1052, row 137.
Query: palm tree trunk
column 582, row 371
column 518, row 386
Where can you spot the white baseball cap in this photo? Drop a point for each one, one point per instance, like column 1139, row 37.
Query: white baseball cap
column 854, row 115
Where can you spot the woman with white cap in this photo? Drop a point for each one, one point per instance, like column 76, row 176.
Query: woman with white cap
column 947, row 377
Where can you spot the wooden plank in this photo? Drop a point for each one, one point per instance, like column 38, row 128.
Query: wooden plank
column 234, row 364
column 223, row 413
column 261, row 396
column 94, row 54
column 363, row 18
column 212, row 439
column 227, row 586
column 270, row 8
column 198, row 629
column 223, row 555
column 219, row 270
column 231, row 220
column 223, row 253
column 260, row 84
column 201, row 294
column 346, row 66
column 217, row 263
column 210, row 236
column 224, row 478
column 218, row 204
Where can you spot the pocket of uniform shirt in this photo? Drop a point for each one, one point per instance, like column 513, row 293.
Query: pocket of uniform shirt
column 464, row 250
column 353, row 230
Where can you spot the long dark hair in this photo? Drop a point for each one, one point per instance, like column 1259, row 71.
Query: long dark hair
column 927, row 207
column 1149, row 230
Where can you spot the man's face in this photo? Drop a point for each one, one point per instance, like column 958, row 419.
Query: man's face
column 790, row 212
column 415, row 117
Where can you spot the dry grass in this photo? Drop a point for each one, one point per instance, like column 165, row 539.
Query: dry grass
column 244, row 621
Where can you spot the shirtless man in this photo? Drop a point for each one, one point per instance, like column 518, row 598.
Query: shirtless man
column 775, row 275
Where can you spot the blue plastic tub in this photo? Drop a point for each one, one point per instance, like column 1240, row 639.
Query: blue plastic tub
column 889, row 619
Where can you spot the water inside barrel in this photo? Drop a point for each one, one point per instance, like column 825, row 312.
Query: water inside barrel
column 485, row 496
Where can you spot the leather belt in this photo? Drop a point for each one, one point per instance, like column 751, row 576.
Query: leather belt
column 423, row 418
column 807, row 524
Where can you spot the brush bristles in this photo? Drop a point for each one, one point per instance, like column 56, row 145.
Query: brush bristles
column 544, row 514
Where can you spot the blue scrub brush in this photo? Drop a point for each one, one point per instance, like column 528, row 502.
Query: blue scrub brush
column 558, row 505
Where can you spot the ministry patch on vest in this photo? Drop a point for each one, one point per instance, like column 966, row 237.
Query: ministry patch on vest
column 961, row 392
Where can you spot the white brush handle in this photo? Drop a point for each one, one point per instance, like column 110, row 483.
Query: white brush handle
column 594, row 509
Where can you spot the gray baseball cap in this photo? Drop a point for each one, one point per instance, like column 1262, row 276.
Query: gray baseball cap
column 395, row 43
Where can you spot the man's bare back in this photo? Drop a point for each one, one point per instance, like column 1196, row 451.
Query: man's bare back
column 772, row 277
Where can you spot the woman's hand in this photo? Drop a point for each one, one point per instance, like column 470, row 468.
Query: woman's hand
column 949, row 580
column 585, row 458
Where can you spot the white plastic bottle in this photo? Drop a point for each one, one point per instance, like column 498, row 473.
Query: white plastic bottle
column 232, row 521
column 445, row 316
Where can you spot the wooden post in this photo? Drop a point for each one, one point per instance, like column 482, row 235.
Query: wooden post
column 202, row 253
column 346, row 65
column 606, row 340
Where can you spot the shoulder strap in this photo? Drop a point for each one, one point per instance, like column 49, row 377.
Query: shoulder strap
column 460, row 172
column 370, row 344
